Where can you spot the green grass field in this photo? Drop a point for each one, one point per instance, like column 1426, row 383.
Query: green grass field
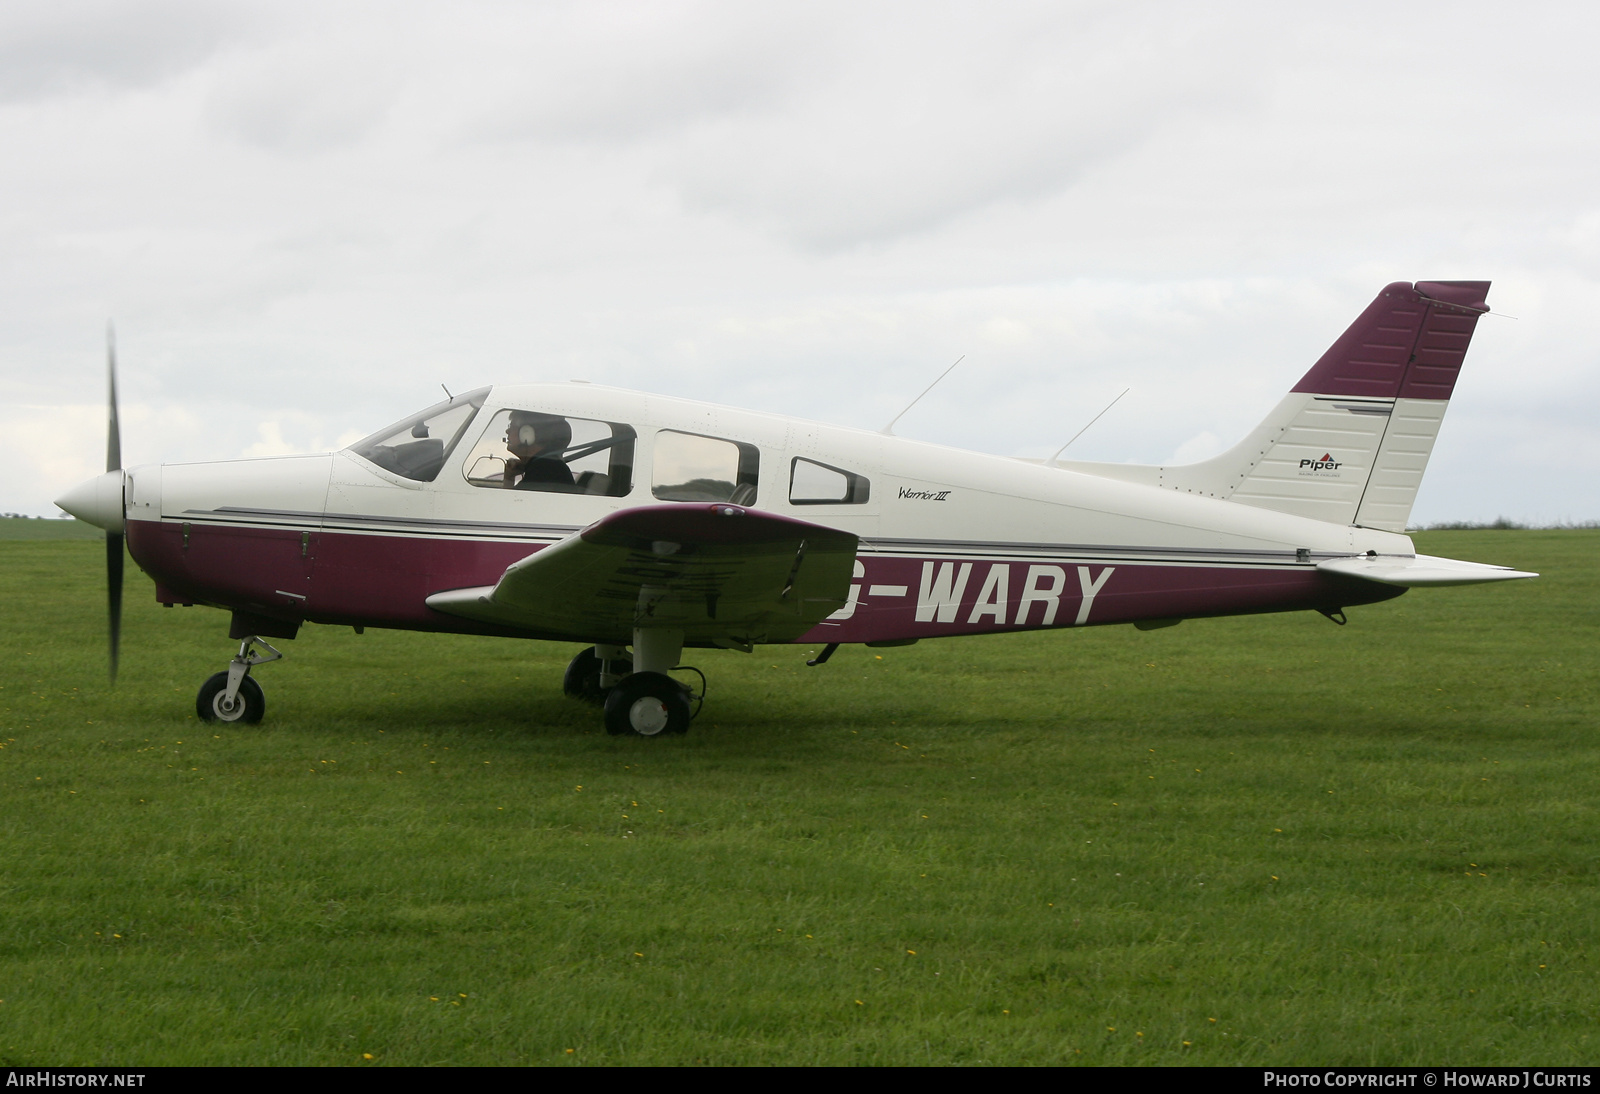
column 1247, row 841
column 12, row 528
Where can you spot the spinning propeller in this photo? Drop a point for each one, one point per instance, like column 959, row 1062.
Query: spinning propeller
column 113, row 537
column 101, row 502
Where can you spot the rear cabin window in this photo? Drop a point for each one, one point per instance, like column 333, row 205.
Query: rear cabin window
column 417, row 447
column 689, row 467
column 530, row 450
column 813, row 483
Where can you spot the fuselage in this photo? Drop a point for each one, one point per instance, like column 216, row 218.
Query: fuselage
column 951, row 542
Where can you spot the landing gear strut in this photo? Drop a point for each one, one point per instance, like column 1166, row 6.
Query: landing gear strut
column 233, row 696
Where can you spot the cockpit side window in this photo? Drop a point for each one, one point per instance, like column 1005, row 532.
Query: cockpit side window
column 689, row 467
column 417, row 447
column 532, row 450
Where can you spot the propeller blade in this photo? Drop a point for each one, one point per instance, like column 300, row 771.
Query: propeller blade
column 113, row 431
column 113, row 539
column 114, row 594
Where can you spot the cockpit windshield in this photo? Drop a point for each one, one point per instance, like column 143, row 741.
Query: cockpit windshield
column 417, row 447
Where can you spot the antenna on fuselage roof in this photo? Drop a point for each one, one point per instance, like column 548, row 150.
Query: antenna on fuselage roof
column 447, row 394
column 1052, row 460
column 888, row 430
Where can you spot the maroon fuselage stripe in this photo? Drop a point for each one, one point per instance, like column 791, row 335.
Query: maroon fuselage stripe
column 354, row 579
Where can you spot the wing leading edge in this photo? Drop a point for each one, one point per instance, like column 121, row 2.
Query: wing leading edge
column 723, row 574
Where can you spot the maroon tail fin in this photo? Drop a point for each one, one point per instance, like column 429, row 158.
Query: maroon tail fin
column 1408, row 344
column 1351, row 440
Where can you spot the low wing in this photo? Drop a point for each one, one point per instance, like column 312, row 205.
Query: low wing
column 723, row 574
column 1419, row 570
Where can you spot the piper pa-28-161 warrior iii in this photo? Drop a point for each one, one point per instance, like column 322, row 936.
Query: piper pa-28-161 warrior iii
column 575, row 512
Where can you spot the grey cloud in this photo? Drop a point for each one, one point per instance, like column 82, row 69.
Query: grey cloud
column 299, row 99
column 51, row 48
column 585, row 76
column 832, row 125
column 948, row 119
column 329, row 76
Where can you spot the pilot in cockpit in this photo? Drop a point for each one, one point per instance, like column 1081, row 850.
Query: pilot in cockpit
column 536, row 442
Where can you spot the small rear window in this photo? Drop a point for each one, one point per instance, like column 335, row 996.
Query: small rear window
column 813, row 483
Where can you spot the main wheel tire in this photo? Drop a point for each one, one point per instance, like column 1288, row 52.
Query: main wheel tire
column 647, row 704
column 582, row 679
column 248, row 707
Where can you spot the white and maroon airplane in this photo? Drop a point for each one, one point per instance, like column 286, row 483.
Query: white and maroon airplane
column 574, row 512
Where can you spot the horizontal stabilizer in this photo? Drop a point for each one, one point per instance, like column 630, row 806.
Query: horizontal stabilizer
column 1419, row 570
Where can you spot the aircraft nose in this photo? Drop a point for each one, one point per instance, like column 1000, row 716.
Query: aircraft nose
column 97, row 501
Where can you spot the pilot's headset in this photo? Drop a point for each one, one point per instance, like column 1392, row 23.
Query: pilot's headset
column 551, row 434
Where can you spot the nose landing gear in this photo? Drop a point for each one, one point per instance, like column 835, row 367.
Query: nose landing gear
column 233, row 696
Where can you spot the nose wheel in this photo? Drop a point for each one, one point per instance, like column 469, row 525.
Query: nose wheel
column 213, row 705
column 233, row 696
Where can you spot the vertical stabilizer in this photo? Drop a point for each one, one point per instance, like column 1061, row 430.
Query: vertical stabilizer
column 1350, row 441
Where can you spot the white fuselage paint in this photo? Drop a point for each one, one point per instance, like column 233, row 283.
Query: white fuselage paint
column 971, row 513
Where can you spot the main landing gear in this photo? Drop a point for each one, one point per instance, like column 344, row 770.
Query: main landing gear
column 233, row 696
column 594, row 672
column 640, row 699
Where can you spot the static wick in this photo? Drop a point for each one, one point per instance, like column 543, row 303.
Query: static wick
column 888, row 430
column 1085, row 429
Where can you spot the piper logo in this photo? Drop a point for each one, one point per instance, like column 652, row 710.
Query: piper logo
column 1327, row 463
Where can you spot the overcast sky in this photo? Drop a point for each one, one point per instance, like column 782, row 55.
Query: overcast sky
column 305, row 218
